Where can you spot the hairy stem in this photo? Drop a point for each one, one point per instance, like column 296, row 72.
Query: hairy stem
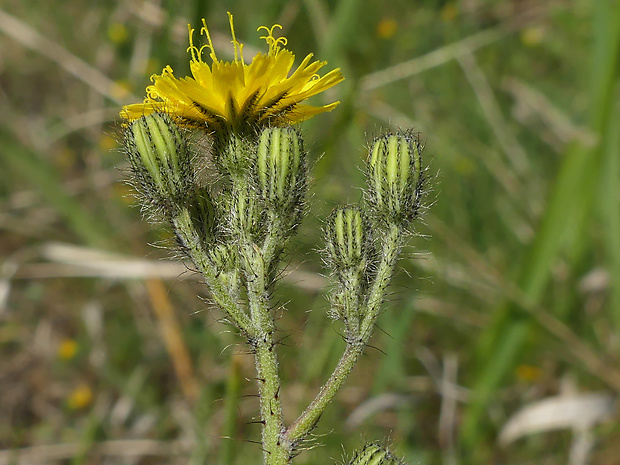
column 256, row 268
column 391, row 242
column 351, row 301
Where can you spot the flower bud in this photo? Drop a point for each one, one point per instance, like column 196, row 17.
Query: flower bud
column 233, row 154
column 395, row 177
column 346, row 233
column 222, row 257
column 281, row 168
column 202, row 213
column 372, row 454
column 160, row 159
column 245, row 214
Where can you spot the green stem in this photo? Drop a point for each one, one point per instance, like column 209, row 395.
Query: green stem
column 389, row 254
column 308, row 419
column 275, row 451
column 351, row 301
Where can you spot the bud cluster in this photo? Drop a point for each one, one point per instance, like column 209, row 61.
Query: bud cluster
column 263, row 177
column 362, row 244
column 235, row 229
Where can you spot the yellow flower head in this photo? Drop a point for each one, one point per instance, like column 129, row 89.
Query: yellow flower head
column 234, row 94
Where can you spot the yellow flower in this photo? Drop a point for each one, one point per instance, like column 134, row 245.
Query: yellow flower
column 386, row 28
column 80, row 397
column 67, row 349
column 233, row 95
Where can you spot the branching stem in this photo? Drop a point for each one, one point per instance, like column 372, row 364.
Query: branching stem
column 193, row 246
column 391, row 242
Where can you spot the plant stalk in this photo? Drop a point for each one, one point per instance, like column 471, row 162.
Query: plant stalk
column 256, row 267
column 391, row 242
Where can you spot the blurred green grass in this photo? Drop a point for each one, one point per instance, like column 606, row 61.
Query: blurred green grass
column 511, row 291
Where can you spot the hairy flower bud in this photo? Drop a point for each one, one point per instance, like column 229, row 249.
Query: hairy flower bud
column 202, row 212
column 160, row 159
column 372, row 454
column 221, row 255
column 233, row 154
column 224, row 259
column 395, row 177
column 346, row 233
column 281, row 168
column 245, row 214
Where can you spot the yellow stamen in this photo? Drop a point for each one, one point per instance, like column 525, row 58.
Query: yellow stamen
column 237, row 46
column 274, row 44
column 192, row 48
column 205, row 29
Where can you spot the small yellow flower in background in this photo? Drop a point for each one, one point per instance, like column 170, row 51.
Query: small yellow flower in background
column 117, row 33
column 449, row 12
column 386, row 28
column 67, row 349
column 232, row 95
column 528, row 373
column 532, row 36
column 80, row 397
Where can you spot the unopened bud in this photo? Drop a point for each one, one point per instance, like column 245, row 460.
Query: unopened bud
column 222, row 257
column 281, row 167
column 245, row 214
column 233, row 153
column 395, row 176
column 372, row 454
column 160, row 159
column 346, row 233
column 202, row 213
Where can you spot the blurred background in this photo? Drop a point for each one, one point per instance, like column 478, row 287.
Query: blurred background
column 500, row 338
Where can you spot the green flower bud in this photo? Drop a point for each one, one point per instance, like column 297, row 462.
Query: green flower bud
column 281, row 168
column 160, row 159
column 395, row 177
column 245, row 214
column 372, row 454
column 346, row 239
column 233, row 153
column 222, row 257
column 202, row 212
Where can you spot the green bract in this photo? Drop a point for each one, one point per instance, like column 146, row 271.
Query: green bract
column 281, row 168
column 346, row 233
column 160, row 159
column 202, row 213
column 395, row 177
column 372, row 454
